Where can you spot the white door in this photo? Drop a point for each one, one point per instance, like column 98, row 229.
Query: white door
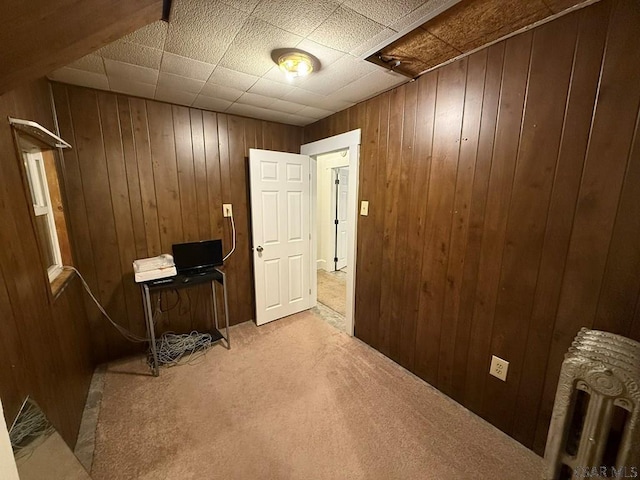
column 339, row 209
column 280, row 218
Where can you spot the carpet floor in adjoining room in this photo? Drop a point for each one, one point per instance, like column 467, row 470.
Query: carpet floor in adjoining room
column 293, row 399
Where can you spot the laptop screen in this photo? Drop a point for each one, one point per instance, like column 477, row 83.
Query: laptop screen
column 195, row 257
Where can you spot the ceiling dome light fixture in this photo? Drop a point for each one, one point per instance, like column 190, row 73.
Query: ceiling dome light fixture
column 295, row 63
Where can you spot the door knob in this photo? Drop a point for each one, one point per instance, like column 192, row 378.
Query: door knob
column 259, row 249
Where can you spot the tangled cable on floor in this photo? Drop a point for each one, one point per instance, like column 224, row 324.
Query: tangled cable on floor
column 30, row 425
column 174, row 349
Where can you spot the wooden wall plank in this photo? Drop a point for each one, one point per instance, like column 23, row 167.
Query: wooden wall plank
column 394, row 156
column 145, row 174
column 77, row 211
column 514, row 78
column 85, row 112
column 604, row 168
column 367, row 259
column 472, row 115
column 489, row 115
column 418, row 192
column 119, row 192
column 444, row 164
column 575, row 133
column 548, row 84
column 617, row 297
column 186, row 176
column 133, row 180
column 404, row 224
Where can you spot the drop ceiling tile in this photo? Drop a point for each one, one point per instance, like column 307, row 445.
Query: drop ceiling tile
column 132, row 72
column 269, row 88
column 345, row 29
column 323, row 53
column 177, row 82
column 90, row 63
column 338, row 75
column 250, row 51
column 383, row 11
column 295, row 16
column 153, row 35
column 422, row 14
column 250, row 111
column 210, row 103
column 276, row 75
column 305, row 97
column 203, row 30
column 286, row 107
column 374, row 43
column 220, row 91
column 132, row 53
column 300, row 121
column 244, row 5
column 255, row 100
column 172, row 95
column 130, row 87
column 370, row 85
column 314, row 113
column 80, row 77
column 232, row 78
column 186, row 67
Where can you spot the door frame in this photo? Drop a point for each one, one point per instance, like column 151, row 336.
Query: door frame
column 349, row 141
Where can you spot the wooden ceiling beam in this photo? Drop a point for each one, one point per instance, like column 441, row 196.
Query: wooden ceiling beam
column 39, row 36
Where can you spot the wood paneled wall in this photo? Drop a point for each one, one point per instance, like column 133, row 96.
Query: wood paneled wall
column 144, row 175
column 45, row 341
column 504, row 194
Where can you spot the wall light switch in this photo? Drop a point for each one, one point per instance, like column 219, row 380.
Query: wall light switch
column 227, row 211
column 364, row 208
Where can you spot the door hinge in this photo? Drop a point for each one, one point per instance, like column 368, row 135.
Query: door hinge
column 335, row 259
column 336, row 221
column 337, row 181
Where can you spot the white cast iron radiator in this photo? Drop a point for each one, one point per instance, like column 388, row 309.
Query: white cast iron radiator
column 595, row 426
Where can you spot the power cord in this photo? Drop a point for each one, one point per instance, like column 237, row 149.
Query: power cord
column 233, row 244
column 172, row 347
column 123, row 331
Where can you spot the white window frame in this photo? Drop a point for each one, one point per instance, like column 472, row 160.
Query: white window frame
column 37, row 179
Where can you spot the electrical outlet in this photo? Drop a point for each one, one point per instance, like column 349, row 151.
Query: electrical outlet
column 499, row 368
column 364, row 208
column 227, row 211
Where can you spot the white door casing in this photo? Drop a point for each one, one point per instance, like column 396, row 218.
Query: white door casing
column 281, row 222
column 340, row 195
column 351, row 142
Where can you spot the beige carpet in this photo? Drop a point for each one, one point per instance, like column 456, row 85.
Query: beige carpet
column 332, row 290
column 294, row 399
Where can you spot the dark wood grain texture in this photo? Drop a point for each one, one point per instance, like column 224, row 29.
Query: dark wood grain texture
column 518, row 207
column 45, row 340
column 40, row 36
column 146, row 175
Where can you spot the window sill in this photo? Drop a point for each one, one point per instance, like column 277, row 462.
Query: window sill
column 59, row 283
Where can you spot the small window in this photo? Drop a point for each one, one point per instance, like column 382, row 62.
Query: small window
column 36, row 170
column 37, row 149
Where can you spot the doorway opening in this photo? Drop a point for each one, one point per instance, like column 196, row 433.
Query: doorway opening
column 332, row 223
column 333, row 228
